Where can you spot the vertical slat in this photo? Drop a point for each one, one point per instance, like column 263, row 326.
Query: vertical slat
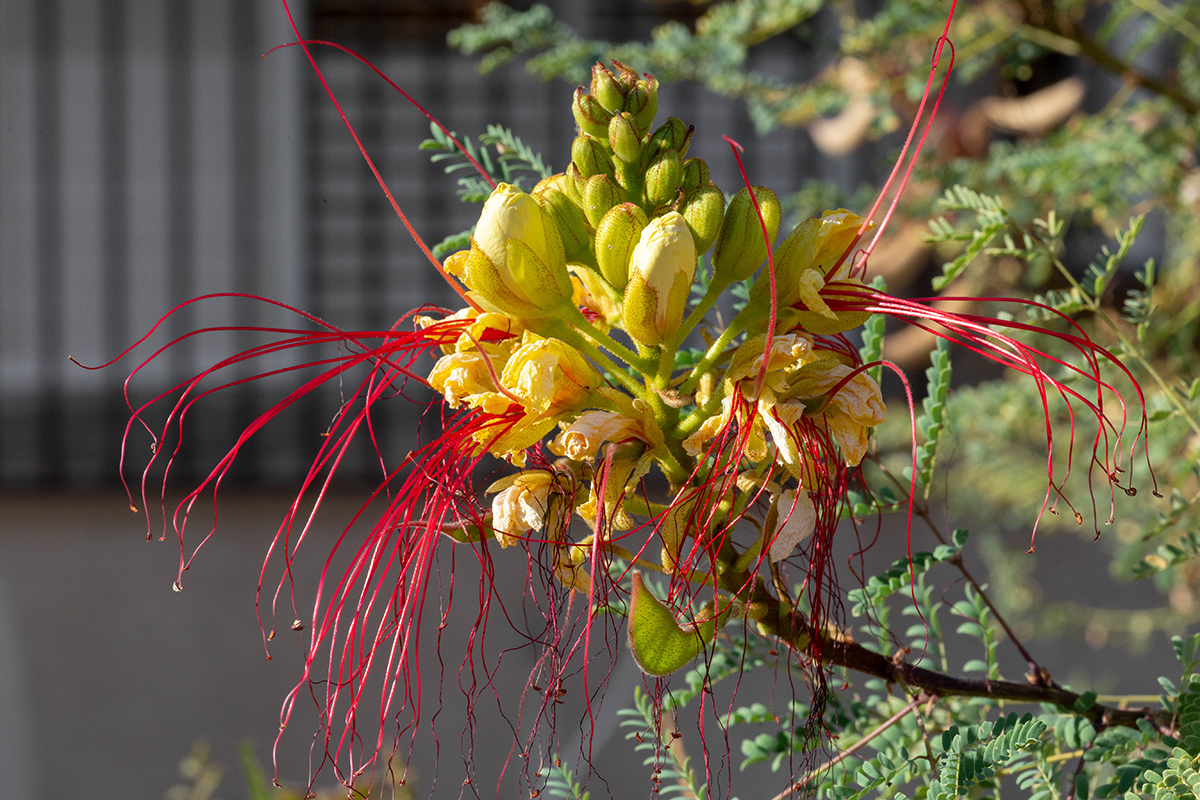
column 82, row 191
column 282, row 153
column 146, row 158
column 18, row 238
column 47, row 415
column 210, row 146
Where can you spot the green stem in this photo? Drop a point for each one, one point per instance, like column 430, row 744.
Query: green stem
column 561, row 330
column 688, row 426
column 715, row 289
column 604, row 340
column 735, row 329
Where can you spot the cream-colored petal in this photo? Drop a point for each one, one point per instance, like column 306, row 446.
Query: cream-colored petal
column 797, row 521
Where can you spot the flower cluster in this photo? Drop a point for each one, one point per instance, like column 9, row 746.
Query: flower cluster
column 595, row 272
column 637, row 437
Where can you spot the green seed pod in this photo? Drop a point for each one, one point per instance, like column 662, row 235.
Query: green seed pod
column 624, row 138
column 663, row 178
column 590, row 116
column 703, row 210
column 591, row 157
column 642, row 103
column 616, row 236
column 600, row 193
column 741, row 247
column 605, row 88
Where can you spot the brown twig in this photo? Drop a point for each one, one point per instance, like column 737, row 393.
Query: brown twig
column 835, row 648
column 849, row 751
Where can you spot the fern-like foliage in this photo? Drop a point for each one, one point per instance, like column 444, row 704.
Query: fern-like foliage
column 562, row 783
column 501, row 154
column 972, row 754
column 674, row 776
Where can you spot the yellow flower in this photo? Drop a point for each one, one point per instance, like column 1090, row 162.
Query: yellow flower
column 755, row 448
column 548, row 376
column 581, row 439
column 789, row 352
column 509, row 435
column 859, row 397
column 851, row 412
column 523, row 504
column 517, row 261
column 661, row 269
column 461, row 376
column 782, row 420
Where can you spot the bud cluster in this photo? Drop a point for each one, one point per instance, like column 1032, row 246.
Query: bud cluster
column 612, row 244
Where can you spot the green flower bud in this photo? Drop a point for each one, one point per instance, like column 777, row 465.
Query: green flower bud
column 661, row 269
column 624, row 138
column 671, row 135
column 642, row 103
column 695, row 174
column 627, row 77
column 616, row 236
column 574, row 183
column 605, row 88
column 802, row 265
column 703, row 210
column 663, row 178
column 516, row 261
column 591, row 157
column 590, row 116
column 600, row 194
column 741, row 247
column 572, row 227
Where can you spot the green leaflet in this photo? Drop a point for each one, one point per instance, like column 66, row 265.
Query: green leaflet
column 659, row 644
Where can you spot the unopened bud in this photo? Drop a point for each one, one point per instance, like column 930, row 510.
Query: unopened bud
column 695, row 174
column 590, row 116
column 573, row 185
column 627, row 77
column 671, row 135
column 741, row 246
column 516, row 261
column 663, row 178
column 600, row 194
column 616, row 236
column 554, row 181
column 605, row 88
column 642, row 103
column 624, row 138
column 703, row 209
column 661, row 269
column 572, row 227
column 590, row 157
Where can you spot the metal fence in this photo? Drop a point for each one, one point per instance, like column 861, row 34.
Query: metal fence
column 149, row 154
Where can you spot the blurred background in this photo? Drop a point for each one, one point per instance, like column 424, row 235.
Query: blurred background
column 150, row 154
